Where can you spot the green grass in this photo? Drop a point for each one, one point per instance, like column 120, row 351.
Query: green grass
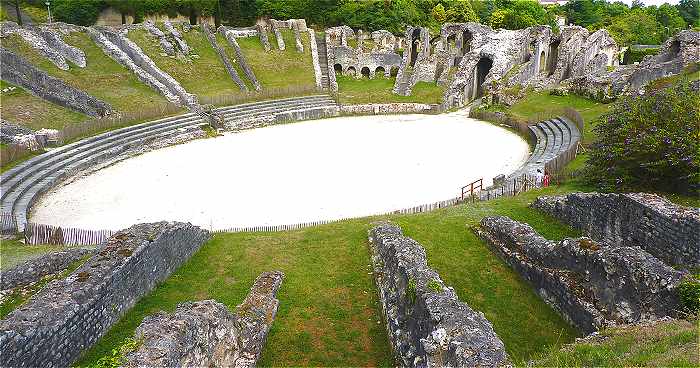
column 279, row 69
column 666, row 344
column 329, row 313
column 204, row 75
column 21, row 107
column 103, row 77
column 378, row 90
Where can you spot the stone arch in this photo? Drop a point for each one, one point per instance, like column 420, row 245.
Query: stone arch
column 451, row 42
column 365, row 72
column 351, row 71
column 415, row 44
column 673, row 51
column 483, row 67
column 394, row 71
column 338, row 68
column 380, row 71
column 542, row 62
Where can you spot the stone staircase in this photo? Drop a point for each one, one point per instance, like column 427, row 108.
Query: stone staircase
column 22, row 185
column 553, row 137
column 323, row 61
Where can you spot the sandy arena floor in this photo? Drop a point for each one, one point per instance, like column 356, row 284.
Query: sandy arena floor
column 285, row 174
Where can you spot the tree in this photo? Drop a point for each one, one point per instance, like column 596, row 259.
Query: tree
column 637, row 27
column 582, row 13
column 690, row 11
column 439, row 13
column 669, row 17
column 461, row 12
column 498, row 18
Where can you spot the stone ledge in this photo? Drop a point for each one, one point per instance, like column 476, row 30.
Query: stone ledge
column 33, row 270
column 428, row 326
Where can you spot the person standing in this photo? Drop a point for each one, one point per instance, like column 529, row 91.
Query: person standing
column 538, row 178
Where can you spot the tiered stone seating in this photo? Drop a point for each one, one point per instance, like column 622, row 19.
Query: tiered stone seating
column 551, row 137
column 23, row 184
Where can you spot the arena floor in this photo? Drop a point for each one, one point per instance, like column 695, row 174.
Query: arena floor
column 286, row 174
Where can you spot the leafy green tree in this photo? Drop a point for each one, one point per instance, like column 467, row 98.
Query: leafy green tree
column 461, row 12
column 81, row 12
column 439, row 13
column 582, row 13
column 498, row 18
column 669, row 17
column 637, row 27
column 690, row 11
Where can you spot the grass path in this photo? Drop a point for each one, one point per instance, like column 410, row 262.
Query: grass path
column 329, row 313
column 378, row 90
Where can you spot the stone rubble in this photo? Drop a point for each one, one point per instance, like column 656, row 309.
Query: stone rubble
column 34, row 269
column 165, row 44
column 205, row 333
column 175, row 34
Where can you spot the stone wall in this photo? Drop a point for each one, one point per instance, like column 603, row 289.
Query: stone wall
column 390, row 108
column 278, row 34
column 68, row 316
column 263, row 38
column 281, row 117
column 667, row 231
column 332, row 81
column 127, row 53
column 165, row 44
column 428, row 326
column 175, row 34
column 231, row 38
column 206, row 334
column 33, row 270
column 318, row 75
column 224, row 58
column 591, row 285
column 19, row 71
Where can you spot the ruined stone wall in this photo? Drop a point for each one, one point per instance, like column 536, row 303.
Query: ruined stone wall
column 318, row 75
column 667, row 231
column 427, row 324
column 206, row 334
column 19, row 71
column 127, row 53
column 231, row 38
column 33, row 270
column 591, row 285
column 224, row 58
column 280, row 117
column 165, row 44
column 263, row 38
column 175, row 34
column 68, row 316
column 53, row 38
column 390, row 108
column 332, row 81
column 278, row 34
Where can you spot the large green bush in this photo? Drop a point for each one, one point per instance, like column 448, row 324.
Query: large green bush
column 82, row 12
column 649, row 142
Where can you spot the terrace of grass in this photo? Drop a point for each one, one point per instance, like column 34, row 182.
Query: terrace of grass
column 103, row 77
column 379, row 90
column 21, row 107
column 329, row 312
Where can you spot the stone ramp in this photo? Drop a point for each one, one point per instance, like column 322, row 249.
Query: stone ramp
column 22, row 185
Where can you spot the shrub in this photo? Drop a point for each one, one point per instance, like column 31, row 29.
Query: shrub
column 82, row 12
column 649, row 142
column 689, row 294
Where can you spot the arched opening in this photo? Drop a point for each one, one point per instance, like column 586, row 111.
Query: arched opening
column 415, row 44
column 338, row 68
column 380, row 72
column 483, row 67
column 466, row 42
column 673, row 51
column 365, row 72
column 553, row 57
column 451, row 42
column 394, row 71
column 350, row 71
column 543, row 62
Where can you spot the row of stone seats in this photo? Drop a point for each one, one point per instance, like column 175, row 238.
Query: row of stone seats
column 23, row 184
column 552, row 137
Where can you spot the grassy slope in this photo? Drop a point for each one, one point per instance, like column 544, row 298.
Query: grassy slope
column 14, row 252
column 103, row 77
column 378, row 90
column 202, row 76
column 666, row 344
column 329, row 313
column 21, row 107
column 279, row 69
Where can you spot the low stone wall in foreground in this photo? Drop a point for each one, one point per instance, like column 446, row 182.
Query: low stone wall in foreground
column 68, row 316
column 667, row 231
column 206, row 334
column 390, row 108
column 428, row 326
column 591, row 285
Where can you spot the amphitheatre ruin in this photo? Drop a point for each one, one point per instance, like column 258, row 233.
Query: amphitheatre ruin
column 226, row 196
